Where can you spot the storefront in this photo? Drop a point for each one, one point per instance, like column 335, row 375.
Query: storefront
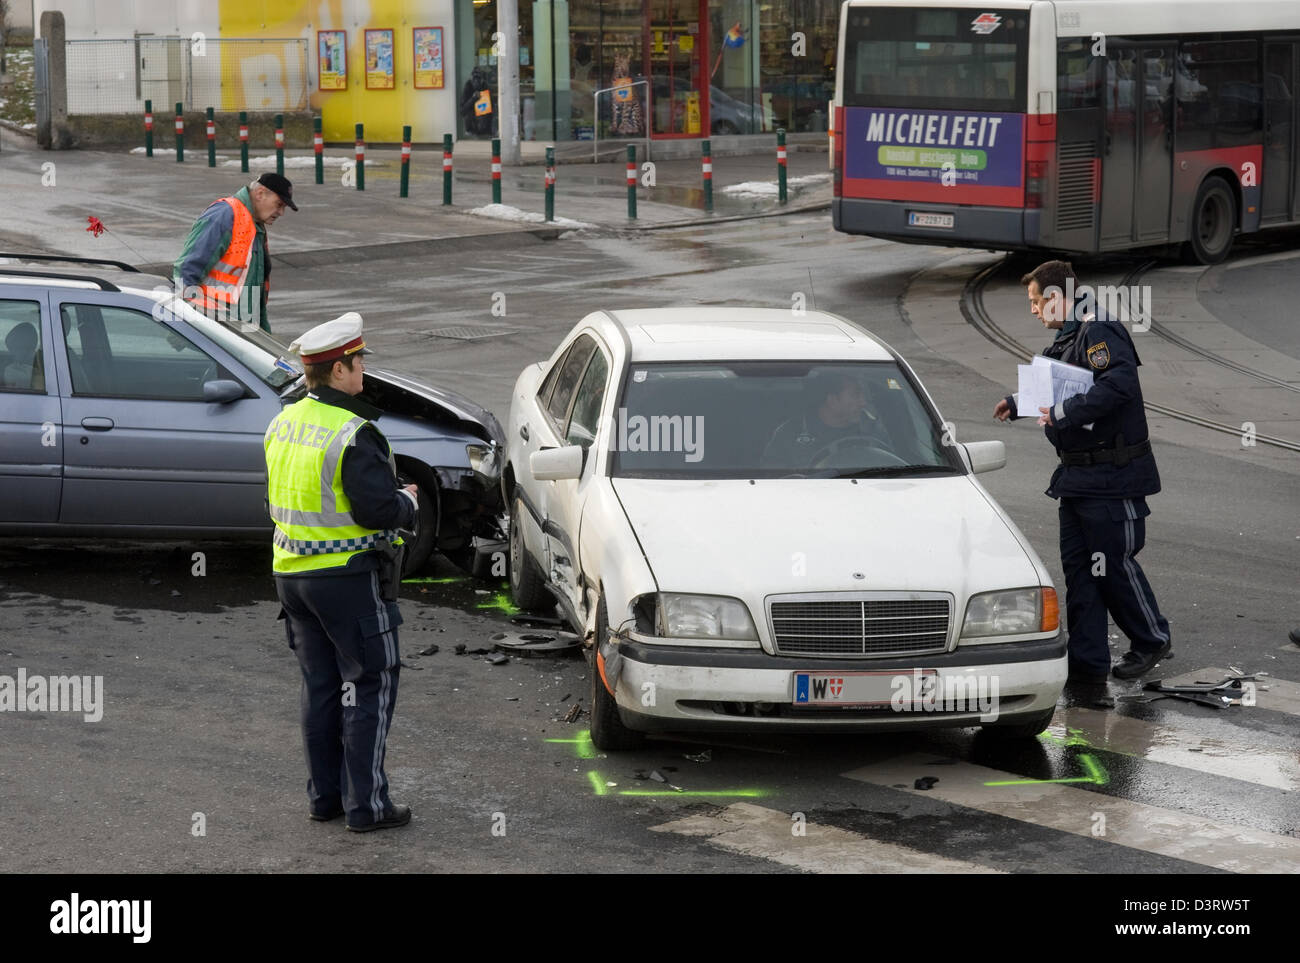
column 681, row 68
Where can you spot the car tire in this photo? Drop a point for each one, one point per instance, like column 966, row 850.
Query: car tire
column 1025, row 729
column 1213, row 223
column 527, row 587
column 724, row 128
column 419, row 547
column 608, row 733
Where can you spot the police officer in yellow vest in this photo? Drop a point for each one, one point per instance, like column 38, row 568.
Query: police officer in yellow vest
column 225, row 267
column 333, row 495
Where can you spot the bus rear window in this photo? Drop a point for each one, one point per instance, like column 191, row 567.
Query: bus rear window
column 944, row 59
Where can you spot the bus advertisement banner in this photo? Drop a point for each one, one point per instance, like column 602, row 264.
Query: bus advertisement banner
column 971, row 157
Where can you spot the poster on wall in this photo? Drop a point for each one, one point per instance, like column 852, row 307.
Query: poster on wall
column 428, row 58
column 379, row 60
column 332, row 59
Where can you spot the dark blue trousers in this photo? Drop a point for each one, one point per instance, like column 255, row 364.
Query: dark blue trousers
column 345, row 637
column 1100, row 539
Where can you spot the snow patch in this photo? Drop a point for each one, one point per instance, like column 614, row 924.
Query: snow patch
column 771, row 188
column 504, row 212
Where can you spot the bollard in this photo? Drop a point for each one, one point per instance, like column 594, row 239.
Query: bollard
column 631, row 181
column 212, row 140
column 361, row 157
column 496, row 170
column 706, row 170
column 780, row 165
column 406, row 160
column 279, row 144
column 446, row 169
column 318, row 145
column 243, row 142
column 148, row 128
column 180, row 132
column 550, row 183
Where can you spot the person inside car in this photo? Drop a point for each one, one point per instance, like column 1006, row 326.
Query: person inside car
column 837, row 412
column 23, row 369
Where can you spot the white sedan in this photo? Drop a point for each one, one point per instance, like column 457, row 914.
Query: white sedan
column 762, row 522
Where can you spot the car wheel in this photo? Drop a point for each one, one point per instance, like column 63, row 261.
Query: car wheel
column 1026, row 729
column 607, row 729
column 1214, row 221
column 420, row 545
column 724, row 127
column 527, row 588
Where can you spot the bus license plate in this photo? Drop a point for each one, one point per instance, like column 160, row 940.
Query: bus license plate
column 928, row 219
column 850, row 688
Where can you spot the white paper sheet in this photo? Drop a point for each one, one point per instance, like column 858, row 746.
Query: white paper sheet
column 1047, row 382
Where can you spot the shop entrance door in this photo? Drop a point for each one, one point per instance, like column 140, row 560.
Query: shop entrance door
column 676, row 42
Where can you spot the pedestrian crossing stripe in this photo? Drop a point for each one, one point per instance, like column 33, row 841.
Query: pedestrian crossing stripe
column 1200, row 743
column 1067, row 809
column 752, row 830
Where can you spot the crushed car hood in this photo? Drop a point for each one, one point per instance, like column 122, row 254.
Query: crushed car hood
column 399, row 395
column 775, row 536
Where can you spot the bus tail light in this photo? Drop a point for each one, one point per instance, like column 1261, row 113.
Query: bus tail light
column 837, row 188
column 1035, row 176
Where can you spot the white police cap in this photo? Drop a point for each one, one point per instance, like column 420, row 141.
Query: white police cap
column 331, row 340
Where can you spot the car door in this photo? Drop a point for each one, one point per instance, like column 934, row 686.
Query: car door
column 545, row 429
column 143, row 449
column 31, row 436
column 569, row 495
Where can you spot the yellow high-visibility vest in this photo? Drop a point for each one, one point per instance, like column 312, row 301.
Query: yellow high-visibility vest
column 314, row 527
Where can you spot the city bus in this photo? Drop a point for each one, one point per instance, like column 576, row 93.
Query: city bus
column 1077, row 126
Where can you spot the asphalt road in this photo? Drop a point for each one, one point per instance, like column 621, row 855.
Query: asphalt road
column 200, row 690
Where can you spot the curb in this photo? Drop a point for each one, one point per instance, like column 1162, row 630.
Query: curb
column 730, row 218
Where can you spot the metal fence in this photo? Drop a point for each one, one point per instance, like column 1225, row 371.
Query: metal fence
column 118, row 76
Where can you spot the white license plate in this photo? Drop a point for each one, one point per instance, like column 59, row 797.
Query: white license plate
column 850, row 688
column 928, row 219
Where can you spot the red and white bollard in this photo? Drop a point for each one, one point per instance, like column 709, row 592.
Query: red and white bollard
column 318, row 142
column 243, row 133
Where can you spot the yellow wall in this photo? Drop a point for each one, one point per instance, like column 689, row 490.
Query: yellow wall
column 431, row 113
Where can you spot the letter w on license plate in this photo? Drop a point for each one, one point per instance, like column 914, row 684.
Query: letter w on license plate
column 852, row 688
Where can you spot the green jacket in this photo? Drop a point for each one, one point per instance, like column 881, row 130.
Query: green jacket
column 209, row 237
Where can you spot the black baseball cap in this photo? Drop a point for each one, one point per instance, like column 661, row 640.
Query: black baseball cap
column 279, row 185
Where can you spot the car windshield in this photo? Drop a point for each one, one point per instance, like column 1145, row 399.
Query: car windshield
column 261, row 353
column 762, row 419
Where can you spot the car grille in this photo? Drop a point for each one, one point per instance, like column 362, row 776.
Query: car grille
column 860, row 626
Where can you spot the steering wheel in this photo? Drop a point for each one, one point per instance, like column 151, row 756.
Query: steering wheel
column 823, row 457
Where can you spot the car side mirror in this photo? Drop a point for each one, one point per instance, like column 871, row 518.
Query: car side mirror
column 557, row 464
column 984, row 456
column 222, row 392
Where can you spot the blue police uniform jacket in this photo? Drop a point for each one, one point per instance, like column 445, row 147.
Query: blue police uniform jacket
column 1112, row 407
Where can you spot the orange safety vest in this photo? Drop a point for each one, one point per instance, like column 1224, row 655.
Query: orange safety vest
column 224, row 282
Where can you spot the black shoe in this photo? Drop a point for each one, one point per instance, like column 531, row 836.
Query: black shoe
column 397, row 816
column 1135, row 664
column 325, row 816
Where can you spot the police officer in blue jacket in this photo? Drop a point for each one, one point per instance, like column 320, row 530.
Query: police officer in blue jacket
column 1107, row 469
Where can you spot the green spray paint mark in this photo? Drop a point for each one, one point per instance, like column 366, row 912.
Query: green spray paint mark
column 597, row 783
column 1097, row 775
column 697, row 793
column 434, row 581
column 500, row 601
column 582, row 744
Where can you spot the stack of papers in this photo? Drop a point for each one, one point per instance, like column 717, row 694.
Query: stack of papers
column 1046, row 383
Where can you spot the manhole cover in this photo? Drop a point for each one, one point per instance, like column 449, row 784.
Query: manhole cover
column 468, row 332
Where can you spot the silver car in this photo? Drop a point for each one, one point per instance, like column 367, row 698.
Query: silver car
column 126, row 413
